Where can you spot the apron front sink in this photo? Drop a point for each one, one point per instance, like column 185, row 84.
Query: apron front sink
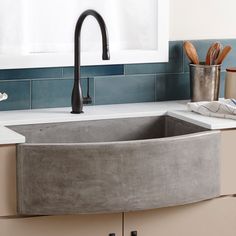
column 115, row 165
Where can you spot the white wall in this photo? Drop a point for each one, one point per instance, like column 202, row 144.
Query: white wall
column 202, row 19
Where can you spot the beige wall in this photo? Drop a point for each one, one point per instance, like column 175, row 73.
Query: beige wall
column 202, row 19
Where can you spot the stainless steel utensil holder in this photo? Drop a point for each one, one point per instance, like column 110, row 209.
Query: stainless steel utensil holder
column 204, row 82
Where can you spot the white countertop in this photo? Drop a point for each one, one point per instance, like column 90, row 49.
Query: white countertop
column 52, row 115
column 8, row 136
column 175, row 109
column 204, row 121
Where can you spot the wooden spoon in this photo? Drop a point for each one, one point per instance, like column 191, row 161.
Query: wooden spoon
column 209, row 53
column 213, row 53
column 218, row 48
column 191, row 52
column 223, row 54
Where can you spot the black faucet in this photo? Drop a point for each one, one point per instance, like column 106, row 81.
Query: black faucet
column 77, row 98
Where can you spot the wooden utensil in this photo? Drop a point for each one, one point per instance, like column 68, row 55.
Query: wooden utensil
column 223, row 54
column 208, row 55
column 213, row 53
column 191, row 52
column 218, row 48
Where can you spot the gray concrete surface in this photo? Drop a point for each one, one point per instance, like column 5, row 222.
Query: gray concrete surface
column 115, row 166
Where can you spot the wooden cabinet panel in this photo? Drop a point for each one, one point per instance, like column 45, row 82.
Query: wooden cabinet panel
column 7, row 180
column 215, row 217
column 228, row 162
column 84, row 225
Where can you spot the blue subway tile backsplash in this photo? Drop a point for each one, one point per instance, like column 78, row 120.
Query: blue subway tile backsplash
column 222, row 84
column 90, row 71
column 51, row 93
column 124, row 89
column 31, row 73
column 56, row 92
column 172, row 87
column 109, row 84
column 18, row 95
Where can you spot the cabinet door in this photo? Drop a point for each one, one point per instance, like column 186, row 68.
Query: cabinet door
column 215, row 217
column 7, row 180
column 83, row 225
column 228, row 162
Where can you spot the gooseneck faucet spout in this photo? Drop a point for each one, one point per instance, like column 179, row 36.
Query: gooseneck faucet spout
column 77, row 98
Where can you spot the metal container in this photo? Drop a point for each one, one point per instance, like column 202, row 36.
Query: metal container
column 230, row 83
column 204, row 82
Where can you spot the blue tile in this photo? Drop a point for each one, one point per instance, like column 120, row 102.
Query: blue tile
column 222, row 85
column 56, row 92
column 175, row 64
column 121, row 89
column 202, row 48
column 18, row 95
column 160, row 87
column 172, row 87
column 31, row 73
column 91, row 71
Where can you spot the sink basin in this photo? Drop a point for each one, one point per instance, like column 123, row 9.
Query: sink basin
column 115, row 165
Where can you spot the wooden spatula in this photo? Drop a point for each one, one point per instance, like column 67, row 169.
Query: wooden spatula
column 191, row 52
column 223, row 54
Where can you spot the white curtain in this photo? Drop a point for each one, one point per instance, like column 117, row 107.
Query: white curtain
column 28, row 26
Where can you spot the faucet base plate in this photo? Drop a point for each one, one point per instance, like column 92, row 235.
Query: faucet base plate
column 74, row 112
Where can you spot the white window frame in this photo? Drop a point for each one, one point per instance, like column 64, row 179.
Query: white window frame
column 40, row 60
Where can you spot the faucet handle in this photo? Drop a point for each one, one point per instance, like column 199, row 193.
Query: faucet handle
column 3, row 96
column 87, row 100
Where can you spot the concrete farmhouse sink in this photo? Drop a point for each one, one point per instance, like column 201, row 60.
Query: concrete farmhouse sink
column 115, row 165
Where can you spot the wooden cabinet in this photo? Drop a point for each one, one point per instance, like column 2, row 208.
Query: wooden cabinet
column 7, row 180
column 215, row 217
column 228, row 162
column 84, row 225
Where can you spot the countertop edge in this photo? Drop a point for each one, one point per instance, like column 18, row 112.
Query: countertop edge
column 8, row 136
column 207, row 122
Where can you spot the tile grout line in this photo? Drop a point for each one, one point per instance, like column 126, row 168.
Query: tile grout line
column 94, row 90
column 14, row 80
column 155, row 88
column 30, row 94
column 183, row 57
column 125, row 76
column 62, row 73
